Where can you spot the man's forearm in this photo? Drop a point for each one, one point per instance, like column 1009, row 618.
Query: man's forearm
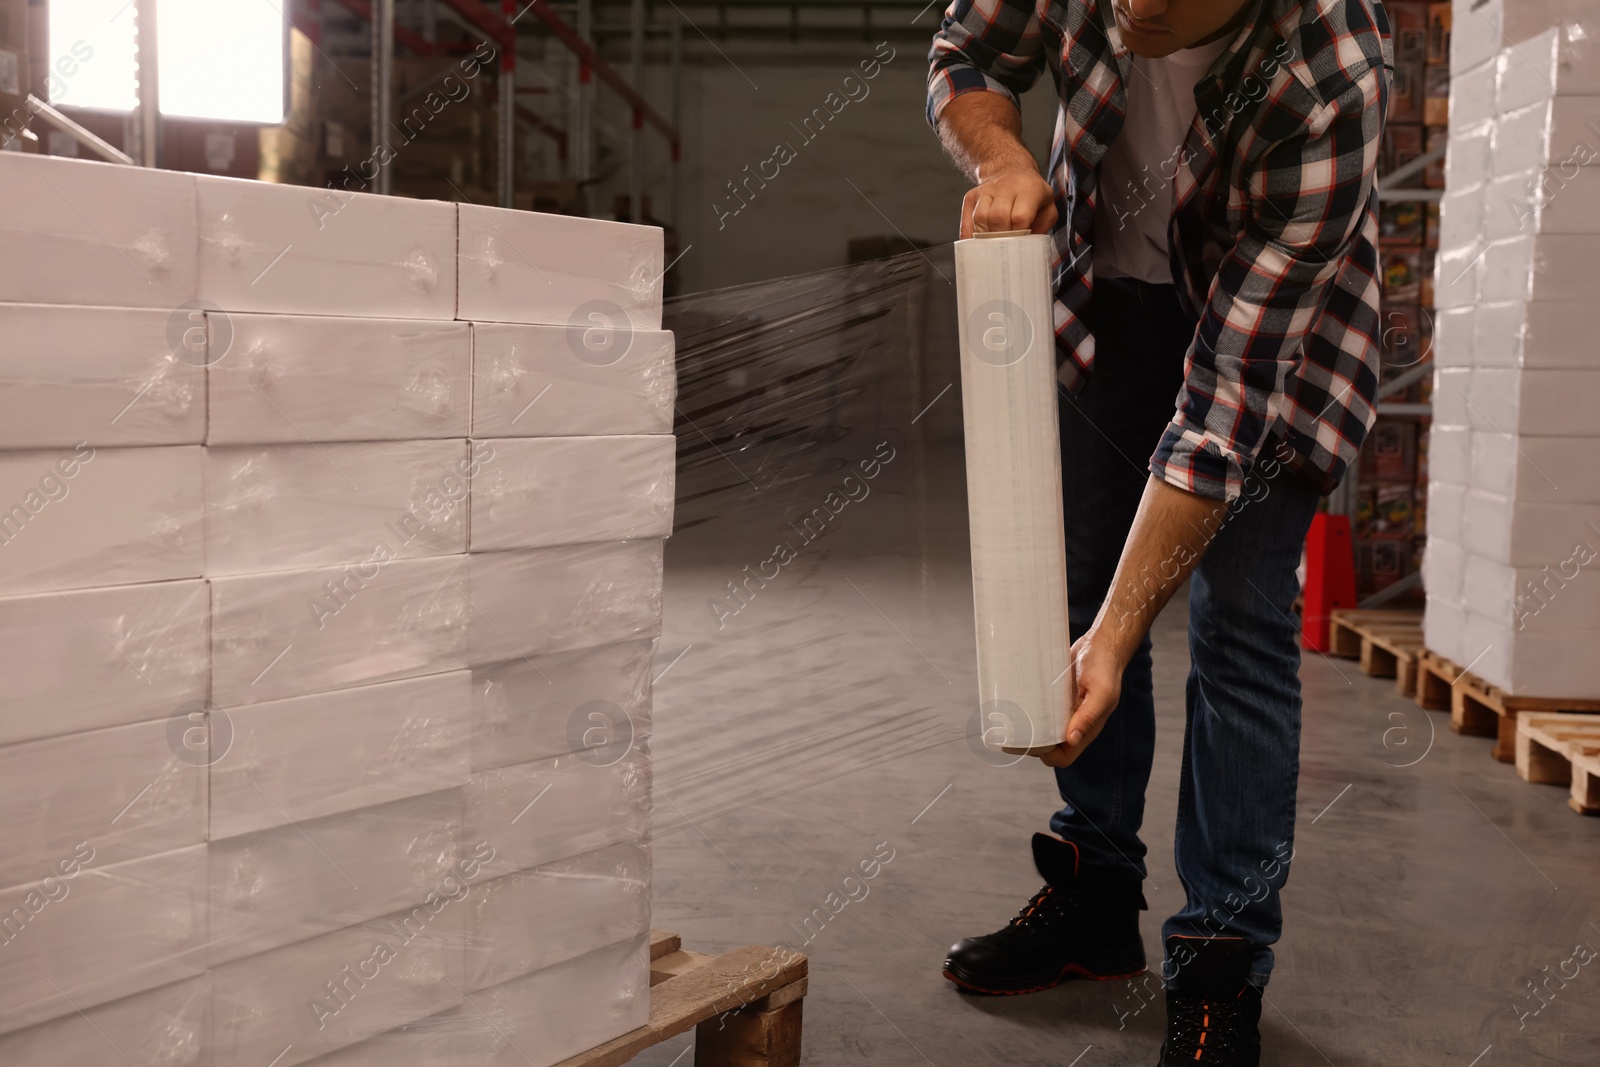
column 1170, row 533
column 982, row 132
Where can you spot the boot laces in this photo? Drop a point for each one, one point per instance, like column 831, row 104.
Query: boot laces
column 1043, row 908
column 1202, row 1028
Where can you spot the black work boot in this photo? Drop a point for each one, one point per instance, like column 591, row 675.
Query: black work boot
column 1213, row 1012
column 1077, row 926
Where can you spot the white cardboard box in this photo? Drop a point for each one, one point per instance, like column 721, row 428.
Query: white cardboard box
column 539, row 491
column 297, row 632
column 294, row 250
column 1443, row 568
column 537, row 600
column 101, row 934
column 1536, row 403
column 1544, row 664
column 96, row 234
column 123, row 790
column 314, row 997
column 1560, row 596
column 1549, row 470
column 285, row 507
column 531, row 709
column 305, row 879
column 1541, row 267
column 1445, row 503
column 1444, row 627
column 541, row 381
column 123, row 515
column 1450, row 454
column 1453, row 330
column 105, row 376
column 559, row 270
column 285, row 379
column 530, row 920
column 166, row 1027
column 311, row 756
column 537, row 813
column 1561, row 61
column 1527, row 535
column 92, row 658
column 1452, row 393
column 534, row 1021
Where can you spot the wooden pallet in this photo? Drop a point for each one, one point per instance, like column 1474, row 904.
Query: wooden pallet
column 1436, row 679
column 1563, row 749
column 1485, row 710
column 1385, row 641
column 745, row 1006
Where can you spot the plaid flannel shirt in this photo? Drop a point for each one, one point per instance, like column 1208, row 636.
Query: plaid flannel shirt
column 1274, row 234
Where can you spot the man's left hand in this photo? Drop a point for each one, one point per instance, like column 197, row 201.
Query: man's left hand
column 1098, row 665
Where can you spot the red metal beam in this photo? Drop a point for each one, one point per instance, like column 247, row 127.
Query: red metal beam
column 410, row 38
column 501, row 31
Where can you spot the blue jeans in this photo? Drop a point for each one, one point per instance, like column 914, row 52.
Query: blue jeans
column 1241, row 741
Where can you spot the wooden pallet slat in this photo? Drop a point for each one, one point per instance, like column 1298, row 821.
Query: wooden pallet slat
column 1564, row 749
column 745, row 1005
column 1436, row 678
column 1386, row 641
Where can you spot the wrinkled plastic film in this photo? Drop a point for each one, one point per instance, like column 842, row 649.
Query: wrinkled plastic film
column 327, row 735
column 1019, row 576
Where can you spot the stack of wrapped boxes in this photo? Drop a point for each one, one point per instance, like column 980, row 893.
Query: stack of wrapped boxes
column 1514, row 527
column 327, row 608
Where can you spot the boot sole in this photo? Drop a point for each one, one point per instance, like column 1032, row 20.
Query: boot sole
column 1068, row 972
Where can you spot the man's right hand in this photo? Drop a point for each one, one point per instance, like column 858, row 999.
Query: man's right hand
column 1016, row 199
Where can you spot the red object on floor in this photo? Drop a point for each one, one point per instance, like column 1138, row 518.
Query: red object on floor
column 1330, row 577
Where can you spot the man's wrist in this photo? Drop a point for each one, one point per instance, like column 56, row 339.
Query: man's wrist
column 998, row 166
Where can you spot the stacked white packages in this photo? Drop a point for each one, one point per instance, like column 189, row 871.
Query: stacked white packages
column 1514, row 457
column 330, row 577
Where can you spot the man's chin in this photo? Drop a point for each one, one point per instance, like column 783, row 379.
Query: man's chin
column 1157, row 47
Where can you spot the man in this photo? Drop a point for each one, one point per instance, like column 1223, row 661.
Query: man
column 1211, row 199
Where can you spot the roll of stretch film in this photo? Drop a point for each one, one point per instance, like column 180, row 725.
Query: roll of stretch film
column 1019, row 568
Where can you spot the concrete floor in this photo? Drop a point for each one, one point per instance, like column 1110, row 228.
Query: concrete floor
column 829, row 716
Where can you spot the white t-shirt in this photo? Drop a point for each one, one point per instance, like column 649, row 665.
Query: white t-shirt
column 1135, row 196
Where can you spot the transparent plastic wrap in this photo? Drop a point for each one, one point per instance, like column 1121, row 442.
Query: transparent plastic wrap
column 93, row 658
column 559, row 270
column 602, row 381
column 290, row 773
column 538, row 491
column 84, row 517
column 289, row 507
column 96, row 376
column 96, row 234
column 285, row 379
column 298, row 251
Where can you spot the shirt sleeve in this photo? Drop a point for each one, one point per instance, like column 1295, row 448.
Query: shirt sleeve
column 984, row 46
column 1309, row 196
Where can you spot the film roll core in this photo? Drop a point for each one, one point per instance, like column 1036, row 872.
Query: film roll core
column 1013, row 452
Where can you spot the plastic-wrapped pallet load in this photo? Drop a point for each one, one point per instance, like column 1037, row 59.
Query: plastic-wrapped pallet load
column 295, row 772
column 1019, row 575
column 1514, row 503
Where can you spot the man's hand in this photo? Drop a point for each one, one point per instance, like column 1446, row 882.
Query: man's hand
column 1016, row 199
column 1172, row 530
column 983, row 134
column 1098, row 665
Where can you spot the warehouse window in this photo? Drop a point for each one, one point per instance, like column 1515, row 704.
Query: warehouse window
column 219, row 59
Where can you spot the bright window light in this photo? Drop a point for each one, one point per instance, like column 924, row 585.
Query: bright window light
column 220, row 59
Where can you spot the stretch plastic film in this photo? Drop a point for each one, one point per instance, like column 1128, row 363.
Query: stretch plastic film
column 1019, row 564
column 293, row 768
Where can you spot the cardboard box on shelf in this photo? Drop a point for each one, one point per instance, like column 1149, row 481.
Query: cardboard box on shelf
column 1400, row 223
column 1431, row 228
column 1406, row 94
column 165, row 1027
column 1408, row 28
column 1436, row 95
column 1439, row 23
column 1401, row 144
column 1433, row 173
column 1402, row 275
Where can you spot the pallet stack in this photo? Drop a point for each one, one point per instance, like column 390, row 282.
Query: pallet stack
column 328, row 601
column 1514, row 499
